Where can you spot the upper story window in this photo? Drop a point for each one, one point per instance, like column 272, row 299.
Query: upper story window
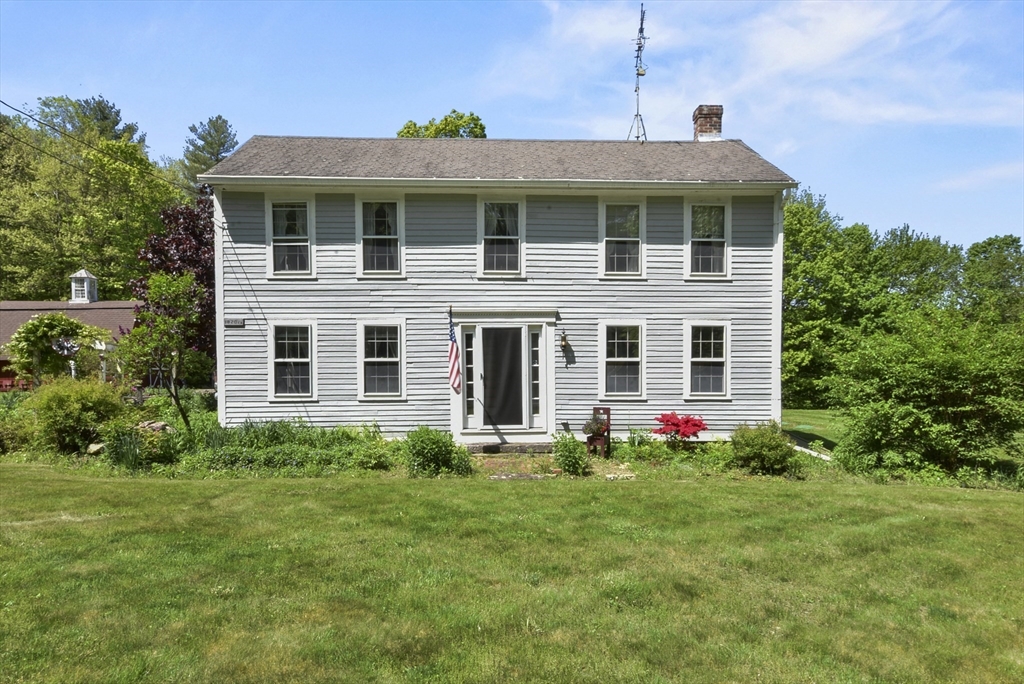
column 623, row 232
column 709, row 237
column 290, row 238
column 381, row 238
column 502, row 238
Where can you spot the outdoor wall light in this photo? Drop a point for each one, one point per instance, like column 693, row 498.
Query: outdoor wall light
column 563, row 342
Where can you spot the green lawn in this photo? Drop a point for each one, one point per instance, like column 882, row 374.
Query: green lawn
column 808, row 425
column 392, row 580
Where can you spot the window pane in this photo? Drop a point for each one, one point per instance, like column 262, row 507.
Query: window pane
column 291, row 257
column 622, row 221
column 708, row 342
column 380, row 218
column 380, row 254
column 623, row 342
column 381, row 342
column 501, row 219
column 708, row 223
column 623, row 256
column 622, row 377
column 467, row 385
column 290, row 219
column 535, row 373
column 382, row 377
column 501, row 254
column 708, row 256
column 707, row 377
column 291, row 377
column 291, row 342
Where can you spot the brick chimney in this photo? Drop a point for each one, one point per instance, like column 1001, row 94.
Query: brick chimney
column 707, row 123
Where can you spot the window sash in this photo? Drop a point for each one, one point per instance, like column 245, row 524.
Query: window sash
column 292, row 364
column 622, row 359
column 291, row 256
column 707, row 359
column 501, row 219
column 380, row 219
column 501, row 254
column 622, row 256
column 622, row 221
column 708, row 222
column 380, row 254
column 382, row 360
column 291, row 219
column 290, row 237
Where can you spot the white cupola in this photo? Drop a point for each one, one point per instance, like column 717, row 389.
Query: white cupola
column 83, row 287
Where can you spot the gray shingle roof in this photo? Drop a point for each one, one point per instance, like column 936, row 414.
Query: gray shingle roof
column 111, row 315
column 722, row 161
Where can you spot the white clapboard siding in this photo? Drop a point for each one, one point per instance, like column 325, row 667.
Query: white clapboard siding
column 440, row 269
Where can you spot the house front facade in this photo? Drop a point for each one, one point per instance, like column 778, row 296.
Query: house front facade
column 641, row 277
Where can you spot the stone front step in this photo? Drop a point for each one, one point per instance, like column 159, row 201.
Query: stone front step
column 535, row 448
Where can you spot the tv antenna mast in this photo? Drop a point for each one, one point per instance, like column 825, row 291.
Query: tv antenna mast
column 641, row 69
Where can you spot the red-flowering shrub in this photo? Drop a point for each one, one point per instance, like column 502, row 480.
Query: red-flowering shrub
column 677, row 427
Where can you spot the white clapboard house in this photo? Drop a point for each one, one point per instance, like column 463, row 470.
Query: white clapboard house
column 643, row 277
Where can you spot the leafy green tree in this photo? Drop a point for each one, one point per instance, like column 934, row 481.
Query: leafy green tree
column 31, row 349
column 453, row 125
column 828, row 288
column 939, row 389
column 917, row 269
column 159, row 340
column 93, row 114
column 993, row 280
column 67, row 203
column 213, row 141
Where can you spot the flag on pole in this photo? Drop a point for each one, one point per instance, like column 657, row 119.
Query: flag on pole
column 454, row 363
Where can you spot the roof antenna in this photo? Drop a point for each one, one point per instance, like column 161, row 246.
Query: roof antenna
column 641, row 69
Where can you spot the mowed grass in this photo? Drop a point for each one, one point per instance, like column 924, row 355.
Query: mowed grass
column 391, row 580
column 809, row 425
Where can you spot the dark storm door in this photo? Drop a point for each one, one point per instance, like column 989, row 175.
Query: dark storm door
column 503, row 376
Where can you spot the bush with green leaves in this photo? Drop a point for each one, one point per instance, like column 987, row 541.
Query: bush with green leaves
column 933, row 388
column 31, row 347
column 432, row 452
column 765, row 450
column 17, row 424
column 570, row 454
column 713, row 457
column 70, row 412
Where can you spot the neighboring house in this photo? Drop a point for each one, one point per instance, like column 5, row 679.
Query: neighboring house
column 83, row 306
column 645, row 277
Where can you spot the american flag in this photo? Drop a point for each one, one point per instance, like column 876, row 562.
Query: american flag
column 454, row 363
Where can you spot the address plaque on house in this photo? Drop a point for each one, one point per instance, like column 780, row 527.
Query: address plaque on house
column 234, row 322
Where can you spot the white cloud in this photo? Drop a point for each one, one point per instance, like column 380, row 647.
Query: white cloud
column 980, row 178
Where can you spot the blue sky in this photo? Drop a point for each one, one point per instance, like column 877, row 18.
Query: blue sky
column 906, row 112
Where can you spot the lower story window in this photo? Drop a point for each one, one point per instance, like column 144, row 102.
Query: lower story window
column 292, row 361
column 382, row 361
column 622, row 359
column 707, row 359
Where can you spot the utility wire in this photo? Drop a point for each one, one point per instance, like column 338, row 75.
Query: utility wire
column 64, row 133
column 48, row 154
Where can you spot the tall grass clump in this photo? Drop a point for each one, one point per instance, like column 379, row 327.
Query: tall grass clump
column 432, row 452
column 570, row 454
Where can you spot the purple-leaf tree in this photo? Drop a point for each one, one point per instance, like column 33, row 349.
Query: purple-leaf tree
column 186, row 247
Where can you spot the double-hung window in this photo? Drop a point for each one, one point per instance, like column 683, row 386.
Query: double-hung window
column 381, row 360
column 381, row 238
column 622, row 363
column 709, row 238
column 292, row 361
column 290, row 238
column 502, row 236
column 622, row 238
column 708, row 359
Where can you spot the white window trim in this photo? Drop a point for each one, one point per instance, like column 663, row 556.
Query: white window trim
column 403, row 352
column 272, row 325
column 688, row 237
column 602, row 351
column 268, row 211
column 359, row 201
column 688, row 326
column 480, row 218
column 602, row 265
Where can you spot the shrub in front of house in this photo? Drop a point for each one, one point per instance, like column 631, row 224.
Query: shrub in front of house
column 17, row 424
column 765, row 450
column 70, row 412
column 570, row 454
column 431, row 452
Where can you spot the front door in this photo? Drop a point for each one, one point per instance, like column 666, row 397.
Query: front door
column 502, row 351
column 504, row 378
